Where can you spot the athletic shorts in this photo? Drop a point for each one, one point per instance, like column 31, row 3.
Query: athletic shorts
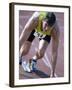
column 32, row 36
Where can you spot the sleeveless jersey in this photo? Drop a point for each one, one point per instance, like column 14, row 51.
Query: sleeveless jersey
column 39, row 30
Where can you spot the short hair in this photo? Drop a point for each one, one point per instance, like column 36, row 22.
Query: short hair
column 51, row 18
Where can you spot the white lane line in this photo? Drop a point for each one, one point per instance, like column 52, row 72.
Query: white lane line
column 47, row 60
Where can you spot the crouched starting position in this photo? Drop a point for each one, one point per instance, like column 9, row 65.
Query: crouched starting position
column 44, row 26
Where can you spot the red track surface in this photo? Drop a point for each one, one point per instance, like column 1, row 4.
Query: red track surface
column 43, row 69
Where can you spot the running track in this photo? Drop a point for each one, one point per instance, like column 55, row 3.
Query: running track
column 44, row 64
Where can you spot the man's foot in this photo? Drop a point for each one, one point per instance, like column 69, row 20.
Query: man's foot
column 30, row 66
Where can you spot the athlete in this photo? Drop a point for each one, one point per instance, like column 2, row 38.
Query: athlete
column 44, row 26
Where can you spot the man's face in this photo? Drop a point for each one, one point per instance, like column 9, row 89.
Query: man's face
column 45, row 25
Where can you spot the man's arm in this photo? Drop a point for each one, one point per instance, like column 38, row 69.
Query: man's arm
column 55, row 42
column 30, row 25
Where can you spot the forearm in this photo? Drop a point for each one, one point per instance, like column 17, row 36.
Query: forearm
column 24, row 36
column 54, row 61
column 31, row 25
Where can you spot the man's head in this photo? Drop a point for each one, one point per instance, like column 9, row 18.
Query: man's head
column 49, row 20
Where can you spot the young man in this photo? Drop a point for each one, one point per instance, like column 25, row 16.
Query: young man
column 44, row 26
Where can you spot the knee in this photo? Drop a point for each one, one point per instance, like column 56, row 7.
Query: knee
column 25, row 48
column 23, row 51
column 40, row 54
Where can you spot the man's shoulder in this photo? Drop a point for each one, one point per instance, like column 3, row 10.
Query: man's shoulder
column 36, row 14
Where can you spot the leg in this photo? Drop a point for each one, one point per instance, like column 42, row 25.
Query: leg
column 40, row 53
column 26, row 46
column 42, row 48
column 24, row 50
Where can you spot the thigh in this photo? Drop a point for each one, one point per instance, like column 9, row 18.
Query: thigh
column 43, row 45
